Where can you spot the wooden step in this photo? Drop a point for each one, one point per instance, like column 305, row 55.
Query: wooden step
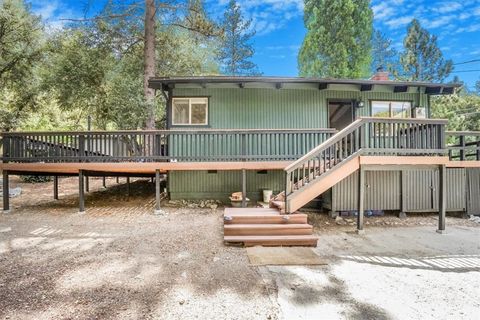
column 294, row 240
column 250, row 211
column 267, row 229
column 297, row 218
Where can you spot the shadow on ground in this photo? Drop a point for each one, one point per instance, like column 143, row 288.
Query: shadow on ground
column 66, row 265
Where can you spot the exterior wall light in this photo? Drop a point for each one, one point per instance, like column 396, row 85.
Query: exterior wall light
column 360, row 104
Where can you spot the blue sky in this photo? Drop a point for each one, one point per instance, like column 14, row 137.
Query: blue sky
column 280, row 30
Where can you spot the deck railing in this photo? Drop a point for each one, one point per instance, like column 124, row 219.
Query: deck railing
column 161, row 145
column 463, row 145
column 368, row 136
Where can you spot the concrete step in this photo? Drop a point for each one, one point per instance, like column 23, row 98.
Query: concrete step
column 292, row 240
column 267, row 229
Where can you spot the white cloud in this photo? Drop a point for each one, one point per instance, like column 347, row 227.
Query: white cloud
column 266, row 15
column 470, row 28
column 52, row 13
column 398, row 22
column 447, row 7
column 438, row 21
column 382, row 11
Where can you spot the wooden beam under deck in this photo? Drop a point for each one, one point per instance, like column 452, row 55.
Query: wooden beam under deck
column 403, row 160
column 139, row 167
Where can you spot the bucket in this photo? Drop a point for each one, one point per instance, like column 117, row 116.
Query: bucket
column 267, row 195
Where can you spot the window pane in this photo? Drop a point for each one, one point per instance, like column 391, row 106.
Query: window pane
column 180, row 111
column 199, row 111
column 401, row 109
column 381, row 109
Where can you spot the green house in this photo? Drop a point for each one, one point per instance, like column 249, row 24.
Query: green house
column 291, row 116
column 337, row 144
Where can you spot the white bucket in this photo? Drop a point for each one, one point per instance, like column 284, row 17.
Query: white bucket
column 267, row 195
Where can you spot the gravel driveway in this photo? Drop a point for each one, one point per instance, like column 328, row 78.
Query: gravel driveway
column 119, row 261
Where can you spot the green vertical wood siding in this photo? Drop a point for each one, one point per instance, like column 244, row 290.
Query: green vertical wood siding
column 220, row 185
column 262, row 108
column 473, row 189
column 231, row 108
column 384, row 190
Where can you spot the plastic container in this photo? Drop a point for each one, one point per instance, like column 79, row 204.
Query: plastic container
column 267, row 195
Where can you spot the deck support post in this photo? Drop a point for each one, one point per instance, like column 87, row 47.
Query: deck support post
column 6, row 193
column 361, row 198
column 81, row 192
column 55, row 187
column 244, row 188
column 118, row 180
column 87, row 184
column 104, row 182
column 442, row 206
column 158, row 210
column 128, row 186
column 403, row 190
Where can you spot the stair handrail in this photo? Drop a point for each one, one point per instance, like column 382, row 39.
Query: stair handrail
column 326, row 144
column 354, row 126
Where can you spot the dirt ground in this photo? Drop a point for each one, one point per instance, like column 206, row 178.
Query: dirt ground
column 118, row 261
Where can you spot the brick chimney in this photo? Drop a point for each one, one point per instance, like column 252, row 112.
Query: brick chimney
column 380, row 75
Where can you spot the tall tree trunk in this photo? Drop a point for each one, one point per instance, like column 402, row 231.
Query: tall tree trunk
column 149, row 61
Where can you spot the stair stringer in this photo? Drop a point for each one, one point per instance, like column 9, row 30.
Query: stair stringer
column 321, row 184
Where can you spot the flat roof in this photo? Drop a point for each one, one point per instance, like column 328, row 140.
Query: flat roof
column 165, row 83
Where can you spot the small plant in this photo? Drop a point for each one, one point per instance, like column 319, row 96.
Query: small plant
column 36, row 179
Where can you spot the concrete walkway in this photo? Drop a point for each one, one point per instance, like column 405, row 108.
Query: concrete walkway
column 400, row 273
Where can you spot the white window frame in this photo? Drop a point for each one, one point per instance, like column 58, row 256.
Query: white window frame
column 390, row 106
column 190, row 111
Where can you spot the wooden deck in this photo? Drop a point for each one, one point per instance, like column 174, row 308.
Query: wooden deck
column 149, row 168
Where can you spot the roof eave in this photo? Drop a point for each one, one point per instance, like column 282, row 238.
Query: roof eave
column 431, row 88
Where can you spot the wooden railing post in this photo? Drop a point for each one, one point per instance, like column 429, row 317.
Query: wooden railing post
column 462, row 145
column 81, row 147
column 287, row 191
column 6, row 148
column 478, row 151
column 243, row 146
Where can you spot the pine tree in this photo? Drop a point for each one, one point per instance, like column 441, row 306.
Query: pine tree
column 422, row 59
column 338, row 39
column 235, row 49
column 383, row 55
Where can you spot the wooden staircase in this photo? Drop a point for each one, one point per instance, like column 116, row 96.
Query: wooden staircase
column 267, row 227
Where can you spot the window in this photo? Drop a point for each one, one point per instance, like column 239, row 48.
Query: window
column 392, row 109
column 190, row 111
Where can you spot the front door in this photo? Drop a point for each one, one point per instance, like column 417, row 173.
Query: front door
column 340, row 113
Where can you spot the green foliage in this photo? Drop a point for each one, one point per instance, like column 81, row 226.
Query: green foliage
column 21, row 45
column 383, row 55
column 461, row 109
column 338, row 39
column 235, row 49
column 95, row 66
column 76, row 75
column 422, row 59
